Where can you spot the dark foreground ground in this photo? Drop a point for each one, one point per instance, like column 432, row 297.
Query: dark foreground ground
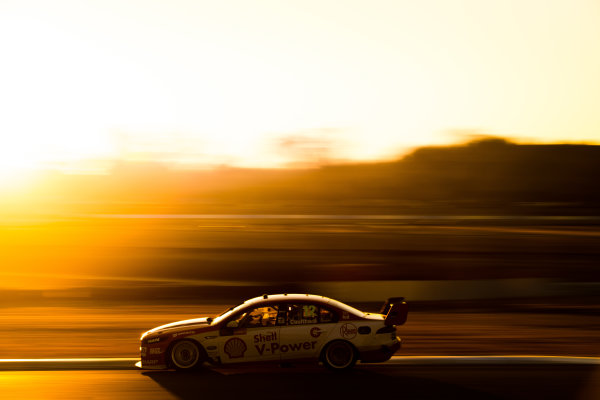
column 462, row 382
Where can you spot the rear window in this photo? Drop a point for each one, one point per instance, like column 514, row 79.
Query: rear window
column 346, row 308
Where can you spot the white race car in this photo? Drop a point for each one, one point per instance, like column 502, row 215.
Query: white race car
column 278, row 328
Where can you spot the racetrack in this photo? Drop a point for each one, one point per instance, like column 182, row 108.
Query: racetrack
column 90, row 287
column 402, row 377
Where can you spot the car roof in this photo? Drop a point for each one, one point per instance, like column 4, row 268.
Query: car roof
column 268, row 299
column 312, row 298
column 288, row 297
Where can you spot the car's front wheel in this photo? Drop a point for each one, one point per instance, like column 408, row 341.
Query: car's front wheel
column 186, row 355
column 339, row 355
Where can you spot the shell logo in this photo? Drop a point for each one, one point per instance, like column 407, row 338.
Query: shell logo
column 235, row 348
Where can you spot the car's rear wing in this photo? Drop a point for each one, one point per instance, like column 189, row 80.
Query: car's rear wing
column 395, row 311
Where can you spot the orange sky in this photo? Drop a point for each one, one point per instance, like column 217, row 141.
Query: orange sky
column 228, row 82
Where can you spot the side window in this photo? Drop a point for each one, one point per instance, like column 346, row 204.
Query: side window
column 282, row 315
column 326, row 316
column 257, row 318
column 263, row 317
column 304, row 314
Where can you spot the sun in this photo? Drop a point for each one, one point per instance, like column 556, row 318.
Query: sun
column 17, row 161
column 13, row 179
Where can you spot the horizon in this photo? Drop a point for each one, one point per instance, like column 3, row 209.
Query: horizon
column 27, row 179
column 104, row 166
column 486, row 176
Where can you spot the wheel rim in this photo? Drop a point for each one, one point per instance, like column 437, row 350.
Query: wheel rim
column 185, row 354
column 339, row 355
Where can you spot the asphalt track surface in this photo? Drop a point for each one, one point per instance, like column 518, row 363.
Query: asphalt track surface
column 503, row 377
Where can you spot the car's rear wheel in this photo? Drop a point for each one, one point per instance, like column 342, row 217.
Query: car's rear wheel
column 186, row 355
column 339, row 355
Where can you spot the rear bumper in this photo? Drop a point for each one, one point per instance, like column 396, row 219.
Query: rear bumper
column 380, row 355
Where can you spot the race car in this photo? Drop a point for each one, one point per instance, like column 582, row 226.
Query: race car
column 279, row 328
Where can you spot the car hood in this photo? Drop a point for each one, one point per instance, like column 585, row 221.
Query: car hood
column 187, row 324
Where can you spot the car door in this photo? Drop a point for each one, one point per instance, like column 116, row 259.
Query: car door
column 251, row 335
column 305, row 331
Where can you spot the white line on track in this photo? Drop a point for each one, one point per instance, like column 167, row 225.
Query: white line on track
column 21, row 364
column 98, row 359
column 506, row 359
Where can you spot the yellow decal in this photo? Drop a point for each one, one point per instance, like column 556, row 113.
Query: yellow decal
column 310, row 311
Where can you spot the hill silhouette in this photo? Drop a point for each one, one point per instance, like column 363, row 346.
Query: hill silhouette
column 484, row 177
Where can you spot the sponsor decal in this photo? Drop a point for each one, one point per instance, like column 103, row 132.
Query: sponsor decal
column 183, row 333
column 315, row 332
column 284, row 348
column 268, row 337
column 155, row 350
column 154, row 340
column 235, row 348
column 150, row 362
column 348, row 331
column 302, row 321
column 345, row 315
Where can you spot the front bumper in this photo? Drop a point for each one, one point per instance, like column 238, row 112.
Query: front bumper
column 152, row 357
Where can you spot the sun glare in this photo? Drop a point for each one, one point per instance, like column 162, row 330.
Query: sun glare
column 210, row 86
column 18, row 159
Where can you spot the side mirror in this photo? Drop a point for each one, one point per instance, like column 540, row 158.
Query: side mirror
column 232, row 324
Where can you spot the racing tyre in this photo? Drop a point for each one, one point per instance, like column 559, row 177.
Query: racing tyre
column 339, row 355
column 186, row 355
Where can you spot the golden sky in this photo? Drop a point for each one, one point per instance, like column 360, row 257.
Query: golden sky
column 213, row 82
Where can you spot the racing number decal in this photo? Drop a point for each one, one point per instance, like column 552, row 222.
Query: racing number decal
column 309, row 311
column 235, row 348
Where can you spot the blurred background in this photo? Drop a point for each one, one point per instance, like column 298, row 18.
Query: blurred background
column 166, row 161
column 495, row 245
